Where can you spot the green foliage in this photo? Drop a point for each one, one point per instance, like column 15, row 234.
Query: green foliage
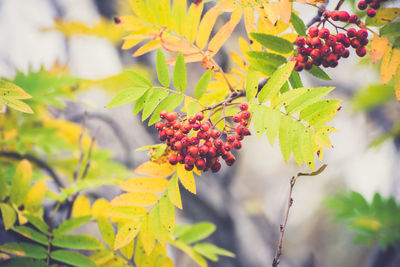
column 273, row 42
column 319, row 73
column 298, row 24
column 377, row 221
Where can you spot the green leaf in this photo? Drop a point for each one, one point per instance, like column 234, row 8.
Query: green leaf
column 273, row 42
column 3, row 187
column 390, row 29
column 202, row 85
column 193, row 108
column 262, row 66
column 138, row 79
column 8, row 214
column 159, row 230
column 23, row 249
column 295, row 80
column 71, row 224
column 311, row 96
column 162, row 69
column 9, row 95
column 179, row 78
column 251, row 84
column 270, row 58
column 139, row 104
column 197, row 232
column 274, row 84
column 211, row 251
column 319, row 73
column 258, row 119
column 169, row 103
column 23, row 262
column 272, row 120
column 194, row 255
column 167, row 213
column 180, row 229
column 19, row 105
column 106, row 230
column 320, row 112
column 31, row 234
column 298, row 24
column 297, row 130
column 38, row 223
column 153, row 101
column 307, row 146
column 84, row 242
column 127, row 96
column 73, row 258
column 285, row 136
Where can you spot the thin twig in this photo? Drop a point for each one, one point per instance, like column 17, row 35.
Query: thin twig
column 81, row 153
column 38, row 162
column 282, row 227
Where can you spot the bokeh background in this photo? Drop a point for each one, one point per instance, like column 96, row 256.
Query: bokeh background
column 246, row 201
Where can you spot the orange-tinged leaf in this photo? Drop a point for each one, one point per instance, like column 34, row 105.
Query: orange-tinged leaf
column 145, row 184
column 188, row 59
column 81, row 206
column 225, row 32
column 126, row 233
column 129, row 23
column 206, row 26
column 173, row 192
column 176, row 44
column 155, row 169
column 192, row 20
column 150, row 46
column 186, row 178
column 397, row 83
column 100, row 207
column 285, row 11
column 378, row 45
column 249, row 19
column 390, row 61
column 135, row 199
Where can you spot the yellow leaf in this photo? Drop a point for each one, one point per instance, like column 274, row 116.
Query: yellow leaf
column 35, row 196
column 390, row 61
column 121, row 213
column 285, row 11
column 206, row 26
column 223, row 34
column 152, row 168
column 129, row 23
column 368, row 223
column 10, row 90
column 244, row 47
column 186, row 178
column 173, row 192
column 127, row 250
column 167, row 213
column 238, row 61
column 188, row 58
column 126, row 233
column 100, row 207
column 147, row 236
column 175, row 44
column 135, row 199
column 192, row 20
column 106, row 230
column 272, row 10
column 145, row 184
column 141, row 10
column 21, row 182
column 397, row 83
column 150, row 46
column 378, row 45
column 249, row 19
column 81, row 206
column 179, row 16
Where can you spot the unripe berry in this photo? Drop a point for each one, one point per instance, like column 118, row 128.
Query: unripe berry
column 362, row 5
column 300, row 41
column 205, row 126
column 173, row 159
column 200, row 164
column 371, row 12
column 237, row 145
column 351, row 32
column 361, row 51
column 159, row 126
column 324, row 33
column 236, row 118
column 171, row 116
column 189, row 167
column 362, row 34
column 313, row 32
column 203, row 150
column 344, row 16
column 193, row 151
column 163, row 114
column 227, row 146
column 353, row 18
column 244, row 106
column 245, row 114
column 215, row 133
column 199, row 116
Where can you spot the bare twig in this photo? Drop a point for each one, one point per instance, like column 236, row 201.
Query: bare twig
column 38, row 162
column 282, row 227
column 81, row 153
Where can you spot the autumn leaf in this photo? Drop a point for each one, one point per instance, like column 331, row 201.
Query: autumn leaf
column 378, row 46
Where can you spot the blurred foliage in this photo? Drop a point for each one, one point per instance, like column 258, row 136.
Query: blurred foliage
column 377, row 221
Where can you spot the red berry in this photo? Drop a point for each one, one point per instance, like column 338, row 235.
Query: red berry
column 315, row 41
column 326, row 14
column 355, row 43
column 324, row 33
column 315, row 53
column 211, row 151
column 331, row 41
column 163, row 114
column 240, row 129
column 194, row 140
column 196, row 126
column 236, row 118
column 173, row 159
column 244, row 106
column 237, row 145
column 203, row 150
column 308, row 65
column 178, row 135
column 178, row 146
column 340, row 37
column 215, row 133
column 176, row 125
column 192, row 120
column 313, row 32
column 199, row 116
column 189, row 167
column 299, row 67
column 302, row 59
column 362, row 34
column 193, row 151
column 361, row 51
column 230, row 160
column 245, row 114
column 371, row 12
column 185, row 141
column 230, row 138
column 346, row 53
column 375, row 5
column 205, row 126
column 325, row 50
column 171, row 116
column 244, row 122
column 344, row 16
column 189, row 160
column 170, row 132
column 218, row 143
column 180, row 159
column 216, row 166
column 186, row 127
column 227, row 146
column 162, row 135
column 351, row 32
column 239, row 137
column 338, row 49
column 353, row 18
column 159, row 126
column 335, row 15
column 200, row 164
column 300, row 41
column 302, row 51
column 362, row 5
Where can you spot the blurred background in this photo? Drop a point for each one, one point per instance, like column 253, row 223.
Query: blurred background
column 247, row 201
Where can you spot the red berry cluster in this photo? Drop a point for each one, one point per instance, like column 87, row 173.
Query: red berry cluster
column 198, row 143
column 373, row 6
column 323, row 48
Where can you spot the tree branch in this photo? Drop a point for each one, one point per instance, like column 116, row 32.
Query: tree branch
column 282, row 227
